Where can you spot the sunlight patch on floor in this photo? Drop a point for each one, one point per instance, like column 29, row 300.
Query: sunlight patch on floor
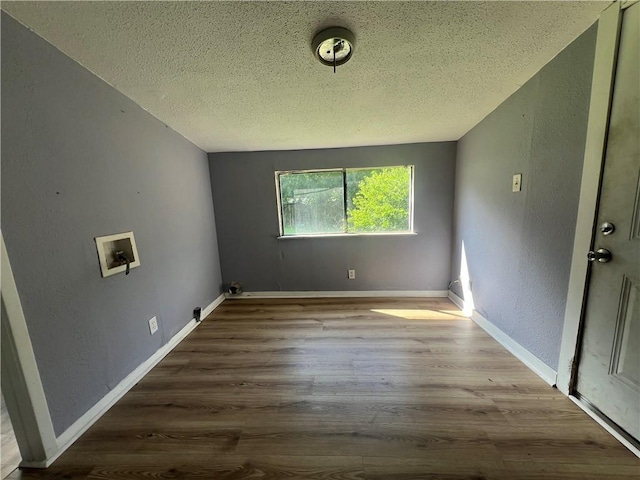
column 415, row 314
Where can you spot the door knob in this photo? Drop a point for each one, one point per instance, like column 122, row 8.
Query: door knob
column 601, row 255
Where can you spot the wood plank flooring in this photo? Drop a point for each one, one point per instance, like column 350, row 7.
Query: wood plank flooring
column 342, row 389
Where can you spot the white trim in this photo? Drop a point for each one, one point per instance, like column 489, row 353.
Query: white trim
column 343, row 170
column 606, row 426
column 81, row 425
column 538, row 367
column 343, row 294
column 212, row 306
column 34, row 426
column 600, row 104
column 457, row 300
column 279, row 205
column 71, row 434
column 364, row 234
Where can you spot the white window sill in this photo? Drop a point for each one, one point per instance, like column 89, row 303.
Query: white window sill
column 332, row 235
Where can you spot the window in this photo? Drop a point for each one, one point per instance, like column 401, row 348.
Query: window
column 345, row 201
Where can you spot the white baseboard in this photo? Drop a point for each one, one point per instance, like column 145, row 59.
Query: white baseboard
column 71, row 434
column 456, row 299
column 544, row 371
column 212, row 306
column 540, row 368
column 343, row 294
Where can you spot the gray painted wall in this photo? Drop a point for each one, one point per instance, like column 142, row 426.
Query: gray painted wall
column 247, row 222
column 519, row 245
column 80, row 160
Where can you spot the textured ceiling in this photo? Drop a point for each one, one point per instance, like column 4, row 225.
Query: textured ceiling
column 234, row 76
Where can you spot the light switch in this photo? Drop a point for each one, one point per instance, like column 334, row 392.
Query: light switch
column 517, row 182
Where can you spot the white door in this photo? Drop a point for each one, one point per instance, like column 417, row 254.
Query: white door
column 609, row 365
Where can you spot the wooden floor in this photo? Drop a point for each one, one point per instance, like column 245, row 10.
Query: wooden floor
column 9, row 453
column 342, row 389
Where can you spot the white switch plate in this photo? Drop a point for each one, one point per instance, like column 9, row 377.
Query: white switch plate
column 153, row 325
column 352, row 274
column 517, row 182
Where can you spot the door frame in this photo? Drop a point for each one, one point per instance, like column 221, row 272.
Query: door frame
column 604, row 68
column 22, row 385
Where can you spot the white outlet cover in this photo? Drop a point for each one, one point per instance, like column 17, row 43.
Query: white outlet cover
column 352, row 274
column 517, row 182
column 153, row 325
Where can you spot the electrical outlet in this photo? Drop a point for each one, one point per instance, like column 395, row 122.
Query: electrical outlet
column 517, row 183
column 153, row 325
column 352, row 274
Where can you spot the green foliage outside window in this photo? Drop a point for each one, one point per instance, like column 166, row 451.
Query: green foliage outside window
column 377, row 200
column 381, row 203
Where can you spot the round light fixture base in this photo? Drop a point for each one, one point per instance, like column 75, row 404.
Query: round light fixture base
column 333, row 46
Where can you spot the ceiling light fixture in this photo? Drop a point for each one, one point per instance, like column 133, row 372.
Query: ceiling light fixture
column 333, row 46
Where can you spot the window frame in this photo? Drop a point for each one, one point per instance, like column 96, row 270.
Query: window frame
column 344, row 170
